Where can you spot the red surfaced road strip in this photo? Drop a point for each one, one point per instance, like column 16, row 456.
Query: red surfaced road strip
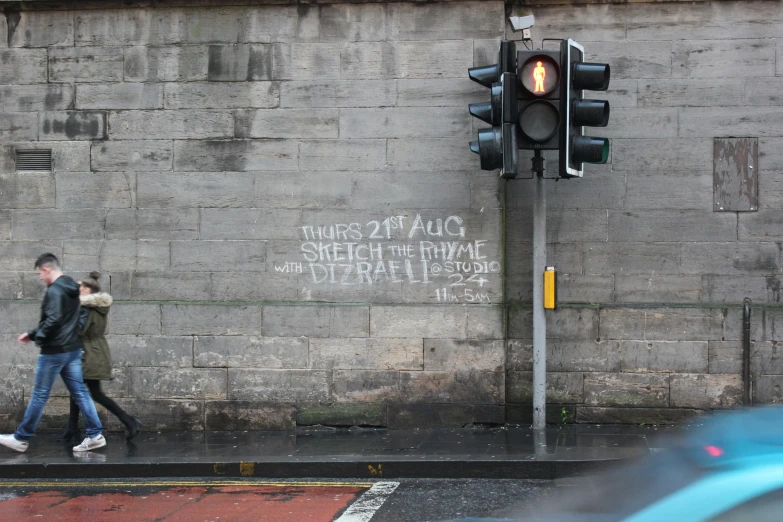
column 192, row 504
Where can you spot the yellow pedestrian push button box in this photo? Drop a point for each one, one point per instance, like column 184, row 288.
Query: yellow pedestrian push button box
column 550, row 290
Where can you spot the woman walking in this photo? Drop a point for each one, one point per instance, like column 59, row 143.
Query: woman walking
column 96, row 365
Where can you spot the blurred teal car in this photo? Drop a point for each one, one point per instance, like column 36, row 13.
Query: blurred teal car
column 729, row 470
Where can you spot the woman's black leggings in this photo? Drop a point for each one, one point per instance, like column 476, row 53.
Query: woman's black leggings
column 98, row 396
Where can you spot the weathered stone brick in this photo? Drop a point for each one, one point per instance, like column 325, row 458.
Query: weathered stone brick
column 354, row 22
column 214, row 189
column 72, row 125
column 223, row 256
column 651, row 59
column 18, row 256
column 765, row 225
column 734, row 289
column 453, row 387
column 448, row 322
column 463, row 355
column 706, row 391
column 306, row 61
column 171, row 286
column 729, row 121
column 692, row 92
column 404, row 122
column 5, row 224
column 253, row 287
column 91, row 190
column 122, row 96
column 27, row 190
column 226, row 224
column 654, row 288
column 152, row 224
column 672, row 225
column 579, row 225
column 18, row 126
column 600, row 190
column 278, row 385
column 730, row 258
column 642, row 123
column 425, row 416
column 726, row 356
column 371, row 60
column 441, row 21
column 590, row 23
column 42, row 29
column 415, row 188
column 18, row 317
column 767, row 389
column 366, row 354
column 23, row 66
column 166, row 64
column 337, row 155
column 723, row 58
column 372, row 386
column 663, row 190
column 561, row 387
column 287, row 123
column 485, row 322
column 688, row 154
column 587, row 355
column 58, row 224
column 337, row 93
column 631, row 258
column 250, row 352
column 212, row 319
column 151, row 351
column 135, row 319
column 317, row 321
column 237, row 95
column 85, row 64
column 126, row 27
column 765, row 325
column 183, row 124
column 11, row 285
column 235, row 155
column 236, row 63
column 294, row 190
column 575, row 288
column 145, row 156
column 38, row 98
column 664, row 356
column 249, row 415
column 626, row 389
column 168, row 383
column 165, row 414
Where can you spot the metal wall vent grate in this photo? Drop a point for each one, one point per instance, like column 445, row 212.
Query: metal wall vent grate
column 39, row 159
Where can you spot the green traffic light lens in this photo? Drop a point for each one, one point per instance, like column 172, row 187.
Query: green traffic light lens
column 605, row 151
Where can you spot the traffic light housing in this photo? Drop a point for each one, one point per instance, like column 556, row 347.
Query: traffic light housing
column 498, row 146
column 539, row 74
column 578, row 112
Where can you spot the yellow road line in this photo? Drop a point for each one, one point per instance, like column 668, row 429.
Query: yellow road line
column 178, row 483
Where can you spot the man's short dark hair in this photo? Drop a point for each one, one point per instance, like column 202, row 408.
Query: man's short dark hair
column 48, row 259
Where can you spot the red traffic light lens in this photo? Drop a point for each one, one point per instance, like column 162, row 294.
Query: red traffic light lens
column 540, row 75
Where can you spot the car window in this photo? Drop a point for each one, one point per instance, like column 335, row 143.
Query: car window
column 766, row 508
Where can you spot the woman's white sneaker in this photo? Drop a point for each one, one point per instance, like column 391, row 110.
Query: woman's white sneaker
column 91, row 443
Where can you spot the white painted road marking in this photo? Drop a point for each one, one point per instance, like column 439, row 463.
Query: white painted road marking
column 363, row 509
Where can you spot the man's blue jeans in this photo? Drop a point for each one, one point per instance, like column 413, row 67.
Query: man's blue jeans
column 69, row 366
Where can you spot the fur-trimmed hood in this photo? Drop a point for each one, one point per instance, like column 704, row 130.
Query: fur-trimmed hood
column 100, row 301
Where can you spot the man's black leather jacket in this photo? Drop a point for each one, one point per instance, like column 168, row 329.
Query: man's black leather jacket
column 58, row 330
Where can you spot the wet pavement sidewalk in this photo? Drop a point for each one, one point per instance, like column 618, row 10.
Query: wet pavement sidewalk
column 503, row 452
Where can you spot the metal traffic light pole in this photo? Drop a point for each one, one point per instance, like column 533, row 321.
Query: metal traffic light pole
column 539, row 319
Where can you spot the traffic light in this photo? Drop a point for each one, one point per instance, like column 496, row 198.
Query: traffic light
column 498, row 146
column 577, row 112
column 539, row 75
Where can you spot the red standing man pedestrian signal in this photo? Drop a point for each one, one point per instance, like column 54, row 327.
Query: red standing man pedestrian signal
column 539, row 75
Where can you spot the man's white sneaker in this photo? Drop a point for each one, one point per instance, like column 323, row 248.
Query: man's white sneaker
column 91, row 443
column 9, row 441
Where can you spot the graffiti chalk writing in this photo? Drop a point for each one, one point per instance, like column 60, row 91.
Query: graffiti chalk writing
column 397, row 249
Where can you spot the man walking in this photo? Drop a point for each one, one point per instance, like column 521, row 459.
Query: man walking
column 57, row 335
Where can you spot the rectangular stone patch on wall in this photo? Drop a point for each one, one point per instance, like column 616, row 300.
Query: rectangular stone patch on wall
column 735, row 174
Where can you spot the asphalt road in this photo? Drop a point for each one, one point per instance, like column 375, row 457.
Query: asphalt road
column 270, row 501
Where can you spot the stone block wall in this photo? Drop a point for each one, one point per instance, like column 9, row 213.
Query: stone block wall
column 284, row 206
column 280, row 198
